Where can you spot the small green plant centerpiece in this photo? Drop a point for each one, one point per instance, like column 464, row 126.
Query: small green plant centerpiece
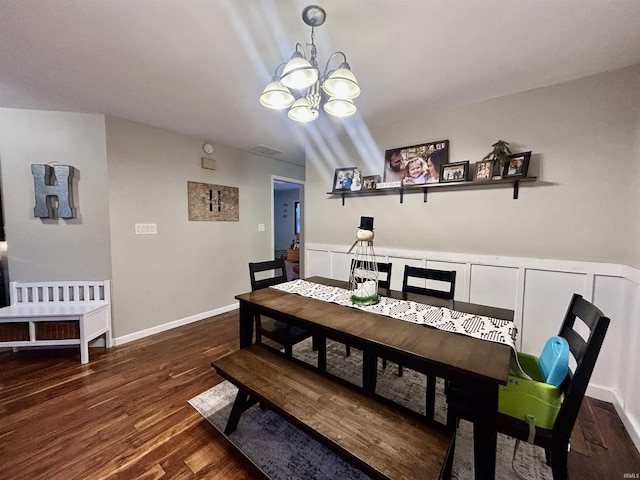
column 499, row 154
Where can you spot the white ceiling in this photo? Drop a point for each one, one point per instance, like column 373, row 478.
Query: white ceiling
column 198, row 66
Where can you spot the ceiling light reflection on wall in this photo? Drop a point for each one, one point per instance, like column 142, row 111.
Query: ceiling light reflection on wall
column 303, row 77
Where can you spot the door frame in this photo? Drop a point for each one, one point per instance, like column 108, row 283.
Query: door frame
column 300, row 184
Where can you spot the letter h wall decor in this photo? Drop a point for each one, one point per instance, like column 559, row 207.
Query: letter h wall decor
column 53, row 191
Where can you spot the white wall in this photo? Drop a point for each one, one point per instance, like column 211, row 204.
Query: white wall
column 634, row 179
column 539, row 292
column 55, row 249
column 584, row 138
column 189, row 270
column 574, row 230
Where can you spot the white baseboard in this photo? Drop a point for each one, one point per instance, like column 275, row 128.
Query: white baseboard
column 176, row 323
column 600, row 393
column 632, row 427
column 611, row 396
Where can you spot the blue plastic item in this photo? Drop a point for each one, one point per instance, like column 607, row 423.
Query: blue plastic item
column 554, row 360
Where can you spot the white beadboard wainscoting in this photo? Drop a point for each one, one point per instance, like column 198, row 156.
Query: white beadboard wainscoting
column 539, row 291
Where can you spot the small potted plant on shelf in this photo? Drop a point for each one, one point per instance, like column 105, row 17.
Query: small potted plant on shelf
column 500, row 155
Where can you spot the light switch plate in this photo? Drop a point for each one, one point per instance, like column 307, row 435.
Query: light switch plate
column 146, row 229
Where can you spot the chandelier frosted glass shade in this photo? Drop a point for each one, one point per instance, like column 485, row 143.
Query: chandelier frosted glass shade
column 302, row 88
column 340, row 107
column 342, row 83
column 298, row 73
column 276, row 96
column 300, row 111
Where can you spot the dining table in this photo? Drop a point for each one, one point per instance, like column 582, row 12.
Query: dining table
column 477, row 367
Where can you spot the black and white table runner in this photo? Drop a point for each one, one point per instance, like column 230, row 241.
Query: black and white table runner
column 477, row 326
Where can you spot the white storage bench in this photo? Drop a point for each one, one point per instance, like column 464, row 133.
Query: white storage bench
column 57, row 314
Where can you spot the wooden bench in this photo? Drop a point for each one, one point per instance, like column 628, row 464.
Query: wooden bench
column 381, row 439
column 46, row 314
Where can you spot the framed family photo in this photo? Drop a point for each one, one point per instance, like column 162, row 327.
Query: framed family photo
column 343, row 178
column 517, row 165
column 454, row 172
column 430, row 155
column 370, row 182
column 484, row 170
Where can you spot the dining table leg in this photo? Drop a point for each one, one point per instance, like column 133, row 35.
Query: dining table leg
column 369, row 372
column 246, row 325
column 485, row 434
column 321, row 346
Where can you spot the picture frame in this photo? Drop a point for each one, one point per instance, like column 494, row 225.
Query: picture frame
column 339, row 177
column 370, row 182
column 517, row 165
column 396, row 159
column 484, row 170
column 454, row 172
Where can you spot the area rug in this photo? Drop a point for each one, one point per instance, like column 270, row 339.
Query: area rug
column 283, row 452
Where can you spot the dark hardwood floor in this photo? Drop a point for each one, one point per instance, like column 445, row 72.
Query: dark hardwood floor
column 125, row 414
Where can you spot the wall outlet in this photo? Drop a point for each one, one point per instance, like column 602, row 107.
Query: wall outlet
column 146, row 229
column 261, row 227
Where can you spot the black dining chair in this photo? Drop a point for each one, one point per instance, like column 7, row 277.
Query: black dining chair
column 448, row 279
column 281, row 333
column 445, row 276
column 384, row 282
column 585, row 352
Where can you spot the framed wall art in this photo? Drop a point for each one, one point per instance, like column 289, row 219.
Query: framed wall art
column 454, row 172
column 213, row 203
column 343, row 178
column 484, row 170
column 396, row 160
column 370, row 182
column 517, row 165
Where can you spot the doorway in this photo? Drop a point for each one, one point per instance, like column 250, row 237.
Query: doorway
column 288, row 207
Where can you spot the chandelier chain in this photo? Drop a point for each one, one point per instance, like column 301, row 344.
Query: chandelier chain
column 314, row 51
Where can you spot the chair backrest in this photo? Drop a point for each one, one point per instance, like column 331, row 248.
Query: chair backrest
column 585, row 353
column 382, row 268
column 279, row 273
column 429, row 274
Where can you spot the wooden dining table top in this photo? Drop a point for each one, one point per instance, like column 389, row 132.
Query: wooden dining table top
column 447, row 354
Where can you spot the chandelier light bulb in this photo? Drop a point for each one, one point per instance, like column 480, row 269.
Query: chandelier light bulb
column 276, row 96
column 299, row 73
column 301, row 112
column 342, row 83
column 340, row 107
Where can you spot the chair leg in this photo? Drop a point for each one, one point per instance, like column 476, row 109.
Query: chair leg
column 257, row 328
column 448, row 463
column 453, row 422
column 400, row 367
column 431, row 397
column 288, row 350
column 321, row 344
column 559, row 462
column 348, row 350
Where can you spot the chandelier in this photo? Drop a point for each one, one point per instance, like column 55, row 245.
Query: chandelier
column 299, row 85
